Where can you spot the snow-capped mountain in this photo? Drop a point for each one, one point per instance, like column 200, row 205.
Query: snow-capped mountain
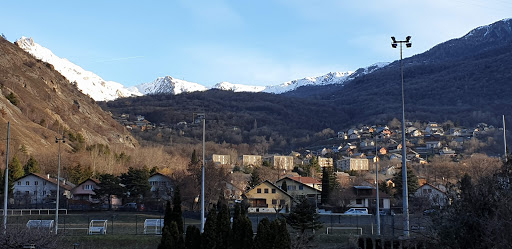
column 169, row 85
column 88, row 82
column 330, row 78
column 238, row 87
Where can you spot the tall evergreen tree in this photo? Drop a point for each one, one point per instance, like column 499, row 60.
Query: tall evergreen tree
column 32, row 166
column 224, row 233
column 109, row 186
column 177, row 214
column 193, row 238
column 412, row 182
column 284, row 186
column 314, row 165
column 171, row 239
column 326, row 190
column 242, row 229
column 264, row 237
column 255, row 179
column 304, row 216
column 136, row 182
column 15, row 172
column 281, row 235
column 209, row 236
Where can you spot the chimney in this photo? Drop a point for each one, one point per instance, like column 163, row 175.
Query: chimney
column 48, row 176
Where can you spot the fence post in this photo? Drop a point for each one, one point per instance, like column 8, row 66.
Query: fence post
column 136, row 224
column 112, row 224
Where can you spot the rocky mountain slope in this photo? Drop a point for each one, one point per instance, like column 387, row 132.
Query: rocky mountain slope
column 88, row 82
column 41, row 104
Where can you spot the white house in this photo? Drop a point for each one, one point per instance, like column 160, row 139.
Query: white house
column 36, row 188
column 161, row 185
column 436, row 196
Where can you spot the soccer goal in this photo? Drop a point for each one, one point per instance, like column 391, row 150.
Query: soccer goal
column 45, row 224
column 98, row 227
column 345, row 230
column 153, row 226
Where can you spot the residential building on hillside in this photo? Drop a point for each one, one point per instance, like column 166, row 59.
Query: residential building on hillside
column 84, row 191
column 325, row 162
column 36, row 189
column 221, row 159
column 268, row 198
column 435, row 196
column 283, row 162
column 366, row 196
column 251, row 160
column 310, row 181
column 162, row 186
column 297, row 188
column 350, row 163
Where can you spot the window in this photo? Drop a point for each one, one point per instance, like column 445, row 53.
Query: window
column 266, row 191
column 27, row 183
column 258, row 190
column 19, row 183
column 274, row 191
column 88, row 187
column 36, row 183
column 359, row 201
column 293, row 187
column 301, row 187
column 44, row 183
column 274, row 202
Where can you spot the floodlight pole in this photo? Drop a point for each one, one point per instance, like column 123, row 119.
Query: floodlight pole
column 405, row 196
column 6, row 185
column 377, row 186
column 505, row 139
column 59, row 141
column 202, row 180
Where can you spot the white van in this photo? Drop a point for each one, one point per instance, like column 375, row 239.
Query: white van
column 357, row 211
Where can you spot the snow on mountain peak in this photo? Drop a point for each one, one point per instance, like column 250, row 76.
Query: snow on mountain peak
column 237, row 87
column 88, row 82
column 169, row 85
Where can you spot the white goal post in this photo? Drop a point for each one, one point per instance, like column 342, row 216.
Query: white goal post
column 153, row 226
column 98, row 227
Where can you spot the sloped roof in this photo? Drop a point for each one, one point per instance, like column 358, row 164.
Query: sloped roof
column 48, row 179
column 273, row 185
column 306, row 179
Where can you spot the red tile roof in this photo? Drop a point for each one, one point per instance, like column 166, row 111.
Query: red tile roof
column 306, row 179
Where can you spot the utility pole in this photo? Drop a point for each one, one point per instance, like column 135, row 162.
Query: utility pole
column 6, row 185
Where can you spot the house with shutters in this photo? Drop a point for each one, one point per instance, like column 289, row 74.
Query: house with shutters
column 36, row 189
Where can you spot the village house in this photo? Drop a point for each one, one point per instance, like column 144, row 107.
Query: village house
column 325, row 162
column 268, row 198
column 161, row 186
column 36, row 189
column 297, row 187
column 435, row 196
column 366, row 196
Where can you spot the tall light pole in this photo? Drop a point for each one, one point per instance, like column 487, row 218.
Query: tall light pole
column 405, row 197
column 377, row 185
column 6, row 184
column 59, row 141
column 202, row 116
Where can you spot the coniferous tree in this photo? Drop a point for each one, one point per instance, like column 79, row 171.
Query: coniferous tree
column 242, row 229
column 281, row 239
column 303, row 216
column 177, row 214
column 255, row 179
column 15, row 172
column 264, row 237
column 326, row 191
column 412, row 182
column 247, row 233
column 224, row 233
column 32, row 166
column 136, row 182
column 284, row 186
column 193, row 238
column 109, row 186
column 209, row 236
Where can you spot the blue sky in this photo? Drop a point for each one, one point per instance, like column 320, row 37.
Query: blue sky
column 243, row 42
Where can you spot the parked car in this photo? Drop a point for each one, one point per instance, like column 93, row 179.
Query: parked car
column 357, row 211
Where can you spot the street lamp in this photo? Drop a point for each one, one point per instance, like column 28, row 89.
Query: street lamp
column 202, row 116
column 59, row 141
column 6, row 182
column 408, row 44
